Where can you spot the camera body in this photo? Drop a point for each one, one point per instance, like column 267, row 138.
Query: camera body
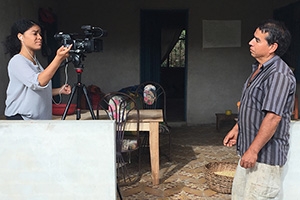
column 87, row 43
column 90, row 42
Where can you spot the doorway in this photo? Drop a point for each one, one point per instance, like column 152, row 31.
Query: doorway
column 161, row 31
column 290, row 16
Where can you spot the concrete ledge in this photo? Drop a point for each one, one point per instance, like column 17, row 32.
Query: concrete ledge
column 57, row 159
column 291, row 181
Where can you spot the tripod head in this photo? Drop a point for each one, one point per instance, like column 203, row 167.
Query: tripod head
column 76, row 59
column 79, row 70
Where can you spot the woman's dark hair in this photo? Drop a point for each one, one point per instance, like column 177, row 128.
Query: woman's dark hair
column 278, row 33
column 12, row 44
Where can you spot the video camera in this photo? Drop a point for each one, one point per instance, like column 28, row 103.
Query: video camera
column 90, row 43
column 87, row 43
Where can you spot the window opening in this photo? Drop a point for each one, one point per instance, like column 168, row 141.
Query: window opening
column 176, row 57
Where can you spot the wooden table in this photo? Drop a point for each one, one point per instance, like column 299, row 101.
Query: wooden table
column 223, row 117
column 149, row 121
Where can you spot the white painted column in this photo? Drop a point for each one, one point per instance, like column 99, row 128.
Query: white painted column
column 57, row 159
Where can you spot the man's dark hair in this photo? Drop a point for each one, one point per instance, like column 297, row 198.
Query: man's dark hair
column 278, row 33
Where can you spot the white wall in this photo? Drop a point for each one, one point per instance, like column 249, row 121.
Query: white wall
column 57, row 159
column 291, row 171
column 215, row 75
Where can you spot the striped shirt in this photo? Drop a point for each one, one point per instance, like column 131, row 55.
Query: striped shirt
column 271, row 90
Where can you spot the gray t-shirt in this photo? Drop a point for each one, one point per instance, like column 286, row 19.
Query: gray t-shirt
column 24, row 94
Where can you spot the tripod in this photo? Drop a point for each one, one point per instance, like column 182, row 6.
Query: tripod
column 79, row 88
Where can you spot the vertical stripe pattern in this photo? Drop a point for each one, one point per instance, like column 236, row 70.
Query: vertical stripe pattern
column 271, row 90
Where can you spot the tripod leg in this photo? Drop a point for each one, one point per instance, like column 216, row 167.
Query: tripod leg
column 78, row 108
column 119, row 192
column 69, row 102
column 88, row 102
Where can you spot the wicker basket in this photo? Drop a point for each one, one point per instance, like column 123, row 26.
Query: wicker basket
column 219, row 183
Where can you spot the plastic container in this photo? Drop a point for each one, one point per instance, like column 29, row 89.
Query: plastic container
column 58, row 109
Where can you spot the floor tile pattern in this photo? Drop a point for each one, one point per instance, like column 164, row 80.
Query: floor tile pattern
column 184, row 176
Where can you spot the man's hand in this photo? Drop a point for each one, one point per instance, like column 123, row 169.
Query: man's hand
column 264, row 134
column 249, row 158
column 231, row 137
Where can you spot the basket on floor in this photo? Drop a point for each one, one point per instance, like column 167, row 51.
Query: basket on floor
column 219, row 176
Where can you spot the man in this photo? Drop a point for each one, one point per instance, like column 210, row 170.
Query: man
column 262, row 131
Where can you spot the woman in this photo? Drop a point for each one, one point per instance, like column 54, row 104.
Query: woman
column 29, row 92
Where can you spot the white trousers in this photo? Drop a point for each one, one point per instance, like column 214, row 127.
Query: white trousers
column 258, row 183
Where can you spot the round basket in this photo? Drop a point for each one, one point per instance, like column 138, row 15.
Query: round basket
column 216, row 182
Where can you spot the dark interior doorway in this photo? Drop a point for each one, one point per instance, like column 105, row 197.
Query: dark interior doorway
column 290, row 15
column 160, row 32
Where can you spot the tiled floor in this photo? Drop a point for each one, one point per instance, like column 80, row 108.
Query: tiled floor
column 184, row 177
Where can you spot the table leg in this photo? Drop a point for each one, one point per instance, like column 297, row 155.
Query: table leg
column 217, row 123
column 154, row 151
